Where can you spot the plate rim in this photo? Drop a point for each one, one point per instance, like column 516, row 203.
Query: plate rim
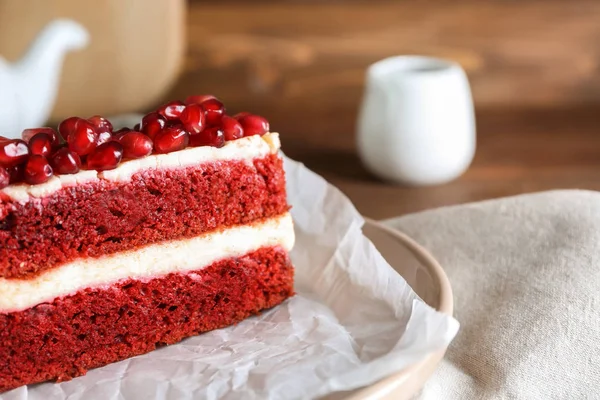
column 411, row 379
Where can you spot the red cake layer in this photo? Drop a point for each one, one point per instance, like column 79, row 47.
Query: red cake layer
column 92, row 328
column 100, row 218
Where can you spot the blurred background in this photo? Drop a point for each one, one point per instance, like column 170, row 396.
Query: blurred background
column 534, row 69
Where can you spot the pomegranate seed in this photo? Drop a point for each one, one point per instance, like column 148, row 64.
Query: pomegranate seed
column 17, row 173
column 119, row 133
column 4, row 178
column 103, row 138
column 135, row 145
column 37, row 170
column 241, row 114
column 106, row 156
column 152, row 124
column 40, row 144
column 232, row 129
column 66, row 127
column 83, row 138
column 193, row 118
column 171, row 111
column 101, row 124
column 65, row 161
column 254, row 125
column 199, row 99
column 27, row 134
column 214, row 111
column 209, row 137
column 13, row 152
column 171, row 139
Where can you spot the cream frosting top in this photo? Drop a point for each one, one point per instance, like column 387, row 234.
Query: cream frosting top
column 245, row 149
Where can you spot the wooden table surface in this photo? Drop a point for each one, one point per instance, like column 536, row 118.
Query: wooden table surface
column 534, row 70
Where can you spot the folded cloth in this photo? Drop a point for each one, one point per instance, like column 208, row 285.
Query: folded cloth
column 525, row 272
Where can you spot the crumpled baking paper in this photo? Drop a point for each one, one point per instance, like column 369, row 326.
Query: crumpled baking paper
column 353, row 322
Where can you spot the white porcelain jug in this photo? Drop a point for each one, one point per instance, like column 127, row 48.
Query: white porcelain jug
column 28, row 87
column 416, row 124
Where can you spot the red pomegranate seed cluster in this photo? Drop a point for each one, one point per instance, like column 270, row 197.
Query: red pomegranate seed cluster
column 93, row 144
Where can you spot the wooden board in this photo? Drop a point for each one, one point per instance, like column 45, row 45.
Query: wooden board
column 515, row 52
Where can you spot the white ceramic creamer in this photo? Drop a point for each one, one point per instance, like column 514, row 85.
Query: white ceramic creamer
column 416, row 124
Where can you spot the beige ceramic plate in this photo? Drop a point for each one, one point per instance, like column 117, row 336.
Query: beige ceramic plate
column 425, row 275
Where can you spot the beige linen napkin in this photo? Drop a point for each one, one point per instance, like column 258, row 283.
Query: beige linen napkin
column 526, row 278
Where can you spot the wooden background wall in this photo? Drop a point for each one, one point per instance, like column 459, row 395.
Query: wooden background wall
column 536, row 53
column 302, row 62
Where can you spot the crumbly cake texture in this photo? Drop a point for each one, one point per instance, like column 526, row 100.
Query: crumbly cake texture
column 104, row 217
column 94, row 327
column 102, row 269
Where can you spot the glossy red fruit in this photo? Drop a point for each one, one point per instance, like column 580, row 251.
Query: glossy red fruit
column 254, row 125
column 193, row 118
column 17, row 173
column 172, row 110
column 135, row 145
column 27, row 134
column 101, row 124
column 103, row 138
column 137, row 127
column 4, row 178
column 3, row 139
column 171, row 139
column 209, row 137
column 152, row 124
column 65, row 162
column 37, row 170
column 66, row 127
column 40, row 144
column 106, row 156
column 232, row 129
column 13, row 152
column 199, row 99
column 241, row 114
column 83, row 138
column 119, row 133
column 213, row 111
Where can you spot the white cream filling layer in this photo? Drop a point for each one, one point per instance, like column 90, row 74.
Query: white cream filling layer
column 179, row 256
column 244, row 149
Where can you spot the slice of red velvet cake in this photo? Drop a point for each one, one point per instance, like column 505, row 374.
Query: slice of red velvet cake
column 115, row 243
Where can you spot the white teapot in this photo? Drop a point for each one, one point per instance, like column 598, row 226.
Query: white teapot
column 28, row 87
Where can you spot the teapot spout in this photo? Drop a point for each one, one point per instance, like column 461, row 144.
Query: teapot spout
column 34, row 79
column 57, row 38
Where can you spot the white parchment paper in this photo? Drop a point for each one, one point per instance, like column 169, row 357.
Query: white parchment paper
column 353, row 322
